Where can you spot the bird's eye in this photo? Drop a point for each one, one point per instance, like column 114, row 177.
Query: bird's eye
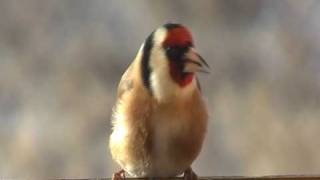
column 175, row 52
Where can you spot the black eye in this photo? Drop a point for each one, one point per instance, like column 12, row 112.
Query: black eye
column 175, row 53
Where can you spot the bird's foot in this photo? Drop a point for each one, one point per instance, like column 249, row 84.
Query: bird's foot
column 120, row 175
column 189, row 174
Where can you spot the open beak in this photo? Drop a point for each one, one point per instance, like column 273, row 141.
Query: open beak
column 195, row 63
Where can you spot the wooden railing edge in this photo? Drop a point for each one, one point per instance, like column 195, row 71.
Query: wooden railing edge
column 269, row 177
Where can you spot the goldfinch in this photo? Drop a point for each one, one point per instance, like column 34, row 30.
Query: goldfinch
column 160, row 119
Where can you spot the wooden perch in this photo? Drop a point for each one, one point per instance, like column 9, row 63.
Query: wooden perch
column 281, row 177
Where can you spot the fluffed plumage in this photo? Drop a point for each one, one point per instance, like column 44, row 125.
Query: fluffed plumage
column 160, row 119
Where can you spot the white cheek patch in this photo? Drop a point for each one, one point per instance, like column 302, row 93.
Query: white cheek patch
column 161, row 83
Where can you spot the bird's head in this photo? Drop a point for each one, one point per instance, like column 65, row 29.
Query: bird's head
column 170, row 61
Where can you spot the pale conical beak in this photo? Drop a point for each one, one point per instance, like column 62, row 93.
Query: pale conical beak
column 195, row 63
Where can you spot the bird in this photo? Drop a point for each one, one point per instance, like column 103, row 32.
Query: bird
column 159, row 120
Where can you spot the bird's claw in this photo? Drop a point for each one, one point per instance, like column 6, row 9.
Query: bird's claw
column 120, row 175
column 189, row 174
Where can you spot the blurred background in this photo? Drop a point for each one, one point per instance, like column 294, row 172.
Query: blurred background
column 60, row 62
